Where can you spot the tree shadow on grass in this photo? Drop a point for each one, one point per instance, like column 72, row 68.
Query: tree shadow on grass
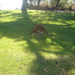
column 61, row 64
column 51, row 66
column 49, row 61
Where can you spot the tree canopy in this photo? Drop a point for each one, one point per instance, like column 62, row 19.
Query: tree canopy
column 55, row 3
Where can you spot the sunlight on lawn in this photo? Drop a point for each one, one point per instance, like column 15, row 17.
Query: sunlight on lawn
column 45, row 18
column 34, row 41
column 9, row 16
column 72, row 72
column 48, row 55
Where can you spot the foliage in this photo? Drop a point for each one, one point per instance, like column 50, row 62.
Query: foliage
column 63, row 3
column 55, row 2
column 70, row 4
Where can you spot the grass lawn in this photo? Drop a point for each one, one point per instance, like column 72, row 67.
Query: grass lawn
column 22, row 54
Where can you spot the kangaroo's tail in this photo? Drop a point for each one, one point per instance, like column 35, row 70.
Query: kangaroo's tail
column 48, row 34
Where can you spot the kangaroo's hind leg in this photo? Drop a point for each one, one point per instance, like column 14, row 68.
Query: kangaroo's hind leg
column 40, row 34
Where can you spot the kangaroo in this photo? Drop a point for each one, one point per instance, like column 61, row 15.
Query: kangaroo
column 40, row 29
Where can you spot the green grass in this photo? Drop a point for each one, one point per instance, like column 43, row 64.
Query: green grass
column 22, row 54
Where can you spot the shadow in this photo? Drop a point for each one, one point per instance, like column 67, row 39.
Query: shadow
column 54, row 54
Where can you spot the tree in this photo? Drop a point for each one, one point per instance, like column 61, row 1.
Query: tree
column 35, row 2
column 57, row 2
column 24, row 5
column 39, row 2
column 30, row 2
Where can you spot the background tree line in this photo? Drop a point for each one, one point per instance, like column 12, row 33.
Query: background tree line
column 48, row 3
column 52, row 3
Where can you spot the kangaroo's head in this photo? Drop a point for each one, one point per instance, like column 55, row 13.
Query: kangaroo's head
column 31, row 31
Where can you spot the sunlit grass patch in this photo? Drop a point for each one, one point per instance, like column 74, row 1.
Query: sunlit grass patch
column 9, row 16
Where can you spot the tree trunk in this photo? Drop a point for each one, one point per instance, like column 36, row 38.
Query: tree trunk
column 38, row 2
column 24, row 5
column 30, row 2
column 57, row 3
